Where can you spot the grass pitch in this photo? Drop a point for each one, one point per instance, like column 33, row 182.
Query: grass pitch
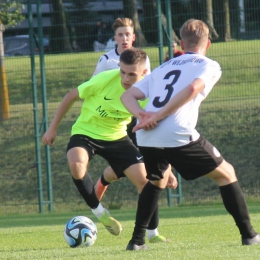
column 196, row 232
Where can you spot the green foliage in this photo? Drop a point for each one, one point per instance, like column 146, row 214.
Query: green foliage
column 11, row 12
column 202, row 232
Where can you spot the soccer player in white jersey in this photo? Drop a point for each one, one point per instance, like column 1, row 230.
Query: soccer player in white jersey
column 124, row 36
column 166, row 131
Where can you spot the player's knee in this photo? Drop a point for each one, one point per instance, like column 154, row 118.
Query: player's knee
column 77, row 169
column 224, row 174
column 109, row 175
column 231, row 173
column 140, row 185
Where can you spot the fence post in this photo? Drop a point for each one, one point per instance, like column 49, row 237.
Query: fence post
column 44, row 106
column 35, row 110
column 159, row 26
column 160, row 45
column 177, row 195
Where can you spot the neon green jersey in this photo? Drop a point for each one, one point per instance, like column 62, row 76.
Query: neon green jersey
column 103, row 116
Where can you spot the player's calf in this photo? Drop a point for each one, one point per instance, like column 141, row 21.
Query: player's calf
column 100, row 189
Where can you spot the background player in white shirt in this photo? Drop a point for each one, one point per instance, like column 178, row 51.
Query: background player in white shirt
column 125, row 37
column 167, row 132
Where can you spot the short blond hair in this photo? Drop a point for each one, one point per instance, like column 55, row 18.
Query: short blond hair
column 194, row 33
column 122, row 22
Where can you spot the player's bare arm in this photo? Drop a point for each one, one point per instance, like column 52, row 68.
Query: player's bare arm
column 129, row 99
column 50, row 135
column 145, row 116
column 145, row 122
column 184, row 96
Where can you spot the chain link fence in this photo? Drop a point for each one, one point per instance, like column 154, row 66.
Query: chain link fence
column 229, row 117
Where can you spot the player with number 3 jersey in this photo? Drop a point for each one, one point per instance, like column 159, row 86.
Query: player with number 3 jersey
column 166, row 132
column 173, row 76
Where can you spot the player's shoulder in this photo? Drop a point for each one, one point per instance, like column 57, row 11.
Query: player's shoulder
column 108, row 74
column 211, row 62
column 106, row 77
column 112, row 54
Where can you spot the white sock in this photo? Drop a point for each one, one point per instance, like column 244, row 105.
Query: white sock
column 152, row 232
column 98, row 211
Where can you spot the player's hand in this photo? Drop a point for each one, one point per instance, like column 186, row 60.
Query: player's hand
column 147, row 121
column 172, row 181
column 49, row 137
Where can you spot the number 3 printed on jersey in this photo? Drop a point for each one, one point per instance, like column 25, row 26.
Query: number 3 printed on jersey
column 168, row 87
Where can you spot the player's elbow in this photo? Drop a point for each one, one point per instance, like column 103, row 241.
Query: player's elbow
column 192, row 89
column 196, row 87
column 124, row 97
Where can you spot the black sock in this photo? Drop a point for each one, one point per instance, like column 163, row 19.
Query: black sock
column 147, row 204
column 85, row 187
column 235, row 204
column 154, row 221
column 103, row 181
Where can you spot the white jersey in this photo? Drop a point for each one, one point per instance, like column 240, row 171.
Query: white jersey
column 163, row 84
column 110, row 61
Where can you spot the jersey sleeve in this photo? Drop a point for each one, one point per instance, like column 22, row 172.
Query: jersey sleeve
column 102, row 65
column 91, row 86
column 210, row 74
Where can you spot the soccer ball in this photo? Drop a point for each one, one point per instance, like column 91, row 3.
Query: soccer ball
column 80, row 231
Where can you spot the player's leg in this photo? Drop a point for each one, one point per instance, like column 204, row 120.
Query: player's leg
column 137, row 175
column 78, row 158
column 152, row 229
column 109, row 175
column 203, row 159
column 149, row 197
column 147, row 205
column 106, row 178
column 234, row 201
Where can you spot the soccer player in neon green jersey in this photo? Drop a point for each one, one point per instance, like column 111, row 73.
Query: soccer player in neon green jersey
column 101, row 129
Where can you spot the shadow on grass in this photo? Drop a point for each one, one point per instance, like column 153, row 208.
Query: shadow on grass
column 47, row 219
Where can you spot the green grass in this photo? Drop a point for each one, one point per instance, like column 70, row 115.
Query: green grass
column 196, row 232
column 238, row 59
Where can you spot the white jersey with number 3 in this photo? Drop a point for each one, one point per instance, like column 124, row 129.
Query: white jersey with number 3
column 163, row 84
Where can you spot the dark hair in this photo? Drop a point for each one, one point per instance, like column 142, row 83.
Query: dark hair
column 133, row 56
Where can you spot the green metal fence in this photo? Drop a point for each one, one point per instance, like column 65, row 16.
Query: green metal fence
column 34, row 178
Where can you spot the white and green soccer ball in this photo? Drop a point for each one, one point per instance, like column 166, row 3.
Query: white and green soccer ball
column 80, row 231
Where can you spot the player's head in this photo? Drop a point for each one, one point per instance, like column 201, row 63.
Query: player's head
column 174, row 46
column 194, row 35
column 124, row 33
column 132, row 66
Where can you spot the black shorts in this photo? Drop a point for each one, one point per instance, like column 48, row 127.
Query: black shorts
column 129, row 130
column 120, row 154
column 191, row 161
